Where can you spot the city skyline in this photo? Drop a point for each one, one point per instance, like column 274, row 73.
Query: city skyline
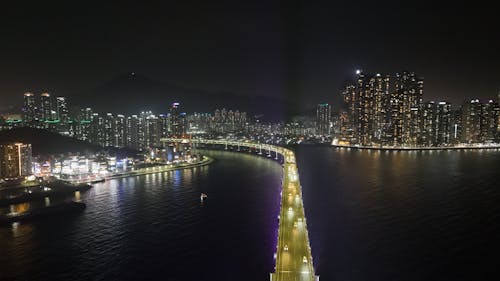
column 378, row 110
column 289, row 51
column 278, row 140
column 391, row 110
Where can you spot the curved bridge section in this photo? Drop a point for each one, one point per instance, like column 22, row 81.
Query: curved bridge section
column 293, row 253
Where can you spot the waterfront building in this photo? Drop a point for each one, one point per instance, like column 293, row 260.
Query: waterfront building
column 367, row 120
column 479, row 121
column 498, row 119
column 406, row 102
column 437, row 123
column 345, row 132
column 471, row 121
column 380, row 90
column 456, row 126
column 323, row 119
column 490, row 113
column 15, row 160
column 379, row 112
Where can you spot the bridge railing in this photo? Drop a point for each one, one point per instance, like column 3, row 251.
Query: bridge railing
column 290, row 175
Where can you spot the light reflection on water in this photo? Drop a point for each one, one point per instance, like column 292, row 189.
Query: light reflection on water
column 142, row 227
column 372, row 215
column 381, row 215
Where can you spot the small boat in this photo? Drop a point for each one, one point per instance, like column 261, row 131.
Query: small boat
column 203, row 196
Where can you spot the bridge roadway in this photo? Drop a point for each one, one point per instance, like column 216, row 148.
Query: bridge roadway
column 293, row 253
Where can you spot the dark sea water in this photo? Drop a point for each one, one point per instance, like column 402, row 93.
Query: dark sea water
column 154, row 227
column 429, row 215
column 371, row 216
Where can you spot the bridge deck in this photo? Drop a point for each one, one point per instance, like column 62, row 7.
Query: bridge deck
column 293, row 254
column 294, row 259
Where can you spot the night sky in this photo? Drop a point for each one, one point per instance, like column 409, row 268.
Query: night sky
column 290, row 50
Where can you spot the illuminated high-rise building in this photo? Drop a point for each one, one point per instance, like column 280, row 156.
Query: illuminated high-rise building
column 199, row 123
column 437, row 124
column 217, row 115
column 471, row 121
column 406, row 105
column 150, row 130
column 29, row 111
column 383, row 113
column 87, row 114
column 120, row 129
column 456, row 127
column 62, row 116
column 230, row 121
column 97, row 130
column 226, row 121
column 368, row 110
column 479, row 121
column 82, row 124
column 62, row 110
column 177, row 121
column 132, row 132
column 46, row 108
column 380, row 87
column 15, row 160
column 109, row 130
column 498, row 119
column 163, row 125
column 490, row 112
column 323, row 119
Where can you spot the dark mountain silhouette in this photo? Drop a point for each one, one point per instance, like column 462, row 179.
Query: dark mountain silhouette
column 48, row 143
column 132, row 93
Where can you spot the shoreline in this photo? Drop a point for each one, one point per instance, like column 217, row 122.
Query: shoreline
column 415, row 148
column 63, row 188
column 159, row 169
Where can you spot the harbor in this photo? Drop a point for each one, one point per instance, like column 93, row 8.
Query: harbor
column 14, row 197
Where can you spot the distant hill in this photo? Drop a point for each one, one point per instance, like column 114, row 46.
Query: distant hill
column 132, row 93
column 46, row 143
